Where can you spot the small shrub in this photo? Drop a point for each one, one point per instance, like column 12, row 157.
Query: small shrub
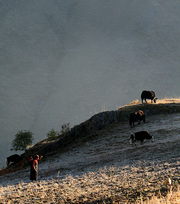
column 65, row 128
column 52, row 135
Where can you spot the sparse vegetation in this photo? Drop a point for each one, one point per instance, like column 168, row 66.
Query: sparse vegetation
column 22, row 140
column 65, row 128
column 52, row 135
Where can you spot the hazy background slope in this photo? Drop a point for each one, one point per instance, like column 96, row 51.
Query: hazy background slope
column 64, row 60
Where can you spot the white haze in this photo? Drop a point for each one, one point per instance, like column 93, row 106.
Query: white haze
column 62, row 61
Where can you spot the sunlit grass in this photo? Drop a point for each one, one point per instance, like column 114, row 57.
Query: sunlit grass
column 135, row 184
column 162, row 100
column 168, row 100
column 164, row 105
column 172, row 197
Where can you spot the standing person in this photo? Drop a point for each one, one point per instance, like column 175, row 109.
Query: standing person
column 34, row 167
column 31, row 168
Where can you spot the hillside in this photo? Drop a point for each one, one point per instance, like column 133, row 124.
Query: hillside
column 98, row 163
column 86, row 130
column 62, row 61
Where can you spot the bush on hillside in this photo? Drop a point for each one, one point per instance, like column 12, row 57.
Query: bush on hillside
column 22, row 140
column 52, row 135
column 65, row 128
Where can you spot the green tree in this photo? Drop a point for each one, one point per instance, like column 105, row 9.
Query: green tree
column 22, row 140
column 52, row 135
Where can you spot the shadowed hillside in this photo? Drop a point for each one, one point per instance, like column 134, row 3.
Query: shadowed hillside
column 87, row 130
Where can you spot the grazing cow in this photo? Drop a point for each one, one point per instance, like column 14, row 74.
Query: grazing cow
column 13, row 158
column 136, row 117
column 140, row 136
column 148, row 95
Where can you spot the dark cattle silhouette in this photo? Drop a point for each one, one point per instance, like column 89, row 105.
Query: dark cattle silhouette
column 140, row 136
column 148, row 95
column 136, row 117
column 13, row 158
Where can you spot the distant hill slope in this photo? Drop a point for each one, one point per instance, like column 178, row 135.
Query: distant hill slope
column 87, row 130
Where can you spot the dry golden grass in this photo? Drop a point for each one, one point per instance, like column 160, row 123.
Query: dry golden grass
column 162, row 106
column 142, row 184
column 170, row 198
column 168, row 100
column 159, row 101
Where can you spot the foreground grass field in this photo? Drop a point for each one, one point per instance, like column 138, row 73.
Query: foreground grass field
column 143, row 183
column 105, row 168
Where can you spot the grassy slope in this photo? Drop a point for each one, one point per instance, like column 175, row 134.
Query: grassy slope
column 127, row 183
column 86, row 131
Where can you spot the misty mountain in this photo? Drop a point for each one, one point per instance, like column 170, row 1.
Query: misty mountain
column 63, row 61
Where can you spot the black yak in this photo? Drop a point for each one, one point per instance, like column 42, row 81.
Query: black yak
column 140, row 136
column 148, row 95
column 136, row 117
column 13, row 158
